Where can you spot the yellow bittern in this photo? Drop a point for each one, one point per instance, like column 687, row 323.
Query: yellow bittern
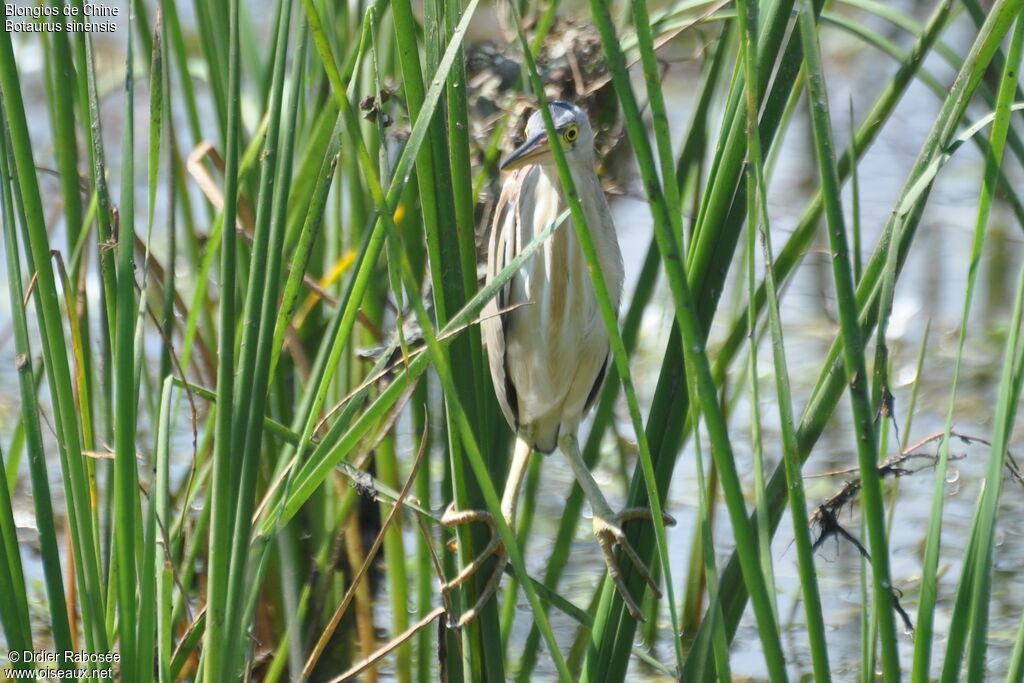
column 546, row 342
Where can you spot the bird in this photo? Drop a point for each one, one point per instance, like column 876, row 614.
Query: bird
column 547, row 344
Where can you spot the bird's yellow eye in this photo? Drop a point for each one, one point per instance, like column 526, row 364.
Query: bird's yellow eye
column 571, row 133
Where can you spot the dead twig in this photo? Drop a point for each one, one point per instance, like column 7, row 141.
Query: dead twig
column 825, row 517
column 390, row 646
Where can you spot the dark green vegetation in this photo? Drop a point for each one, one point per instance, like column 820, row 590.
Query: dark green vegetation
column 210, row 372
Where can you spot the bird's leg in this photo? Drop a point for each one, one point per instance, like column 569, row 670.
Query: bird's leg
column 509, row 498
column 608, row 525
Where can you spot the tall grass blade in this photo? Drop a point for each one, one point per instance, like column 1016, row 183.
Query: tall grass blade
column 853, row 348
column 757, row 209
column 126, row 480
column 929, row 585
column 217, row 659
column 34, row 236
column 692, row 332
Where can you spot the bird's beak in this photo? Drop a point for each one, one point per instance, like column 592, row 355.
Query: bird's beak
column 530, row 152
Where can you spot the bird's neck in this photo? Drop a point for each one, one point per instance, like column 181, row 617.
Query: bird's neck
column 585, row 183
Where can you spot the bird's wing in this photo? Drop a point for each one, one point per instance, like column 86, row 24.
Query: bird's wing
column 502, row 248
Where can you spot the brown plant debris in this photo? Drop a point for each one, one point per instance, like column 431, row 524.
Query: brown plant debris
column 910, row 460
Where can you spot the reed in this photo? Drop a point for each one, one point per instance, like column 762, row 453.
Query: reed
column 250, row 376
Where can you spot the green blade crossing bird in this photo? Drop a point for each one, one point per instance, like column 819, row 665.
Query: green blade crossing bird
column 548, row 347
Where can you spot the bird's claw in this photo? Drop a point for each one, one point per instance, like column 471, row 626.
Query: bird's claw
column 453, row 517
column 609, row 534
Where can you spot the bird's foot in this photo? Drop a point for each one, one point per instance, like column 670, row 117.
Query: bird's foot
column 609, row 534
column 495, row 547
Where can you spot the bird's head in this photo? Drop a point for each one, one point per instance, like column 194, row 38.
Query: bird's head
column 571, row 125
